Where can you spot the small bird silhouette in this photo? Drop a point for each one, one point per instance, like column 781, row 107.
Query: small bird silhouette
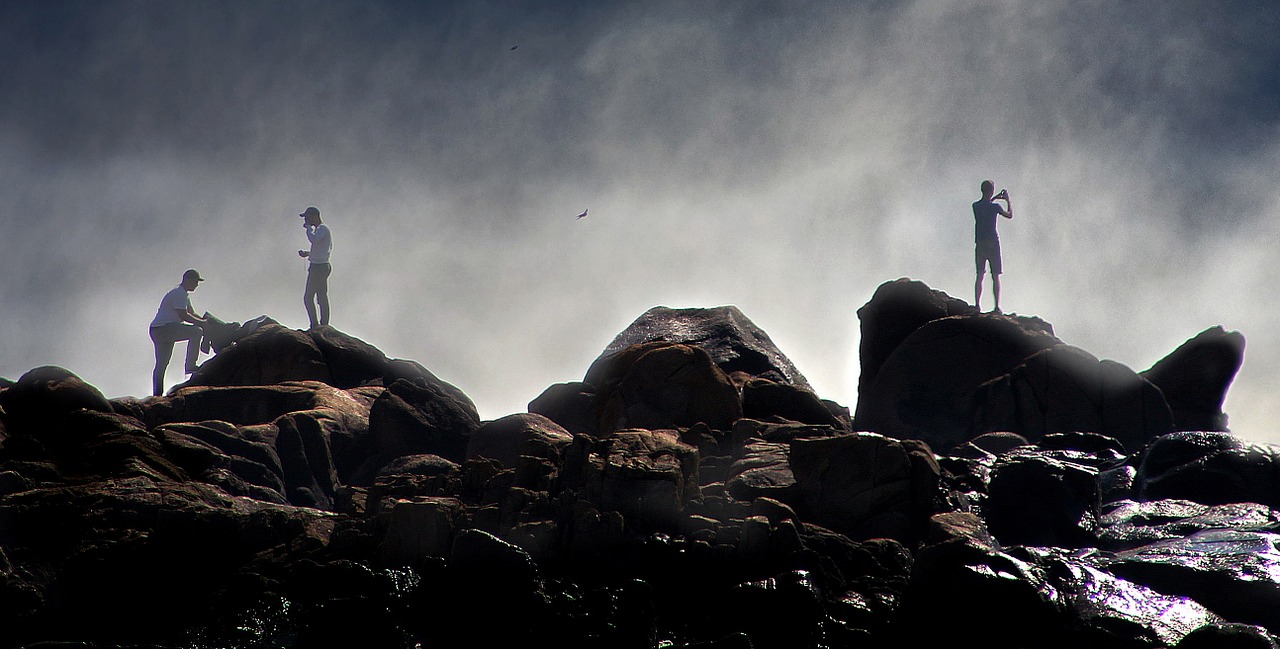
column 584, row 213
column 513, row 47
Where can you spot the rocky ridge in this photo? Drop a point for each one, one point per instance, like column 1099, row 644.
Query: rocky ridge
column 304, row 490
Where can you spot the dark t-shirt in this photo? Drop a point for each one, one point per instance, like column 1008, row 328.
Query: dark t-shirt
column 984, row 219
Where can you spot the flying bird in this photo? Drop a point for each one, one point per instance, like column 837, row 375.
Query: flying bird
column 513, row 48
column 584, row 213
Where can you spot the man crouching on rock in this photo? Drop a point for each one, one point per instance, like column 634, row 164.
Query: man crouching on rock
column 171, row 325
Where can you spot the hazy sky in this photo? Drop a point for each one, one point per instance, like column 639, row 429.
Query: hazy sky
column 785, row 157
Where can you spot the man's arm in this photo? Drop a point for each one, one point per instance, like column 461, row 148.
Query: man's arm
column 1008, row 210
column 188, row 315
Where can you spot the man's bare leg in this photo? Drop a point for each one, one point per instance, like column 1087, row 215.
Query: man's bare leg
column 995, row 290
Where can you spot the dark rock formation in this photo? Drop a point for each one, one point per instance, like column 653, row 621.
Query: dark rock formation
column 1063, row 389
column 925, row 388
column 732, row 341
column 304, row 490
column 1194, row 378
column 680, row 367
column 935, row 370
column 895, row 311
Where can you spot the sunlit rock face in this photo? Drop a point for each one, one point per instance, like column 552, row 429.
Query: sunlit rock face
column 305, row 490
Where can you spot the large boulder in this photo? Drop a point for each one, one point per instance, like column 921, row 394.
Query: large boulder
column 765, row 399
column 1039, row 499
column 865, row 485
column 1213, row 468
column 663, row 385
column 649, row 477
column 352, row 362
column 510, row 437
column 1194, row 378
column 272, row 354
column 319, row 435
column 732, row 340
column 1063, row 389
column 571, row 405
column 925, row 388
column 763, row 471
column 894, row 312
column 414, row 418
column 37, row 404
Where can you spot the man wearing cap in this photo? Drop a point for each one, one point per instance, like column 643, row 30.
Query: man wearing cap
column 175, row 321
column 318, row 270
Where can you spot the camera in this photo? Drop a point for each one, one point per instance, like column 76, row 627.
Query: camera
column 1004, row 194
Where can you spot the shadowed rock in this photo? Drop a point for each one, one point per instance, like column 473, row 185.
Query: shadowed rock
column 662, row 385
column 42, row 397
column 272, row 354
column 1194, row 378
column 894, row 312
column 1064, row 389
column 865, row 485
column 925, row 388
column 510, row 437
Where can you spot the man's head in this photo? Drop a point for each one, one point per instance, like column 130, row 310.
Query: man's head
column 310, row 216
column 988, row 189
column 191, row 279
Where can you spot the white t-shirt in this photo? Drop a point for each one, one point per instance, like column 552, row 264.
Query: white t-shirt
column 175, row 300
column 321, row 244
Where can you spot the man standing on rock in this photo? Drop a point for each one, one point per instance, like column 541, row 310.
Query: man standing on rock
column 318, row 270
column 986, row 241
column 174, row 321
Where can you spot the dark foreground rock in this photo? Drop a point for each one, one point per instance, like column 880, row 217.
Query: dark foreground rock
column 1000, row 488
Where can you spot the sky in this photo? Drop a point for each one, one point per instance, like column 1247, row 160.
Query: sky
column 786, row 157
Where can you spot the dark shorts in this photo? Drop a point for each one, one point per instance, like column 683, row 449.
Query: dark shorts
column 987, row 250
column 318, row 279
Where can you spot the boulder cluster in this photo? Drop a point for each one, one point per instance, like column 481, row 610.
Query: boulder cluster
column 994, row 485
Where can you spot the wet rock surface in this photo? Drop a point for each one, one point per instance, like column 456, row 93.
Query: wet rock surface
column 997, row 487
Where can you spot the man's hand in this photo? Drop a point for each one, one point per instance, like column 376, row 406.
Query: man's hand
column 303, row 253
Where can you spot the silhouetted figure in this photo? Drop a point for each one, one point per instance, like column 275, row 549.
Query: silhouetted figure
column 319, row 269
column 986, row 241
column 174, row 321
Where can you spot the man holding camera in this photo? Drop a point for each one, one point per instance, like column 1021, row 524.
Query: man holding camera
column 986, row 241
column 317, row 291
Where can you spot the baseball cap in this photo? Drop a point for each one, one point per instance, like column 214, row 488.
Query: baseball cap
column 192, row 274
column 310, row 211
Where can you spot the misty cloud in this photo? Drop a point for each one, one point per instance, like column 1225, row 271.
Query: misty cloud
column 786, row 160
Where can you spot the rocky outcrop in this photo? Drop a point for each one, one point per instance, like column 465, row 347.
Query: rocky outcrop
column 1194, row 378
column 731, row 339
column 925, row 388
column 680, row 367
column 935, row 370
column 894, row 312
column 1064, row 388
column 305, row 490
